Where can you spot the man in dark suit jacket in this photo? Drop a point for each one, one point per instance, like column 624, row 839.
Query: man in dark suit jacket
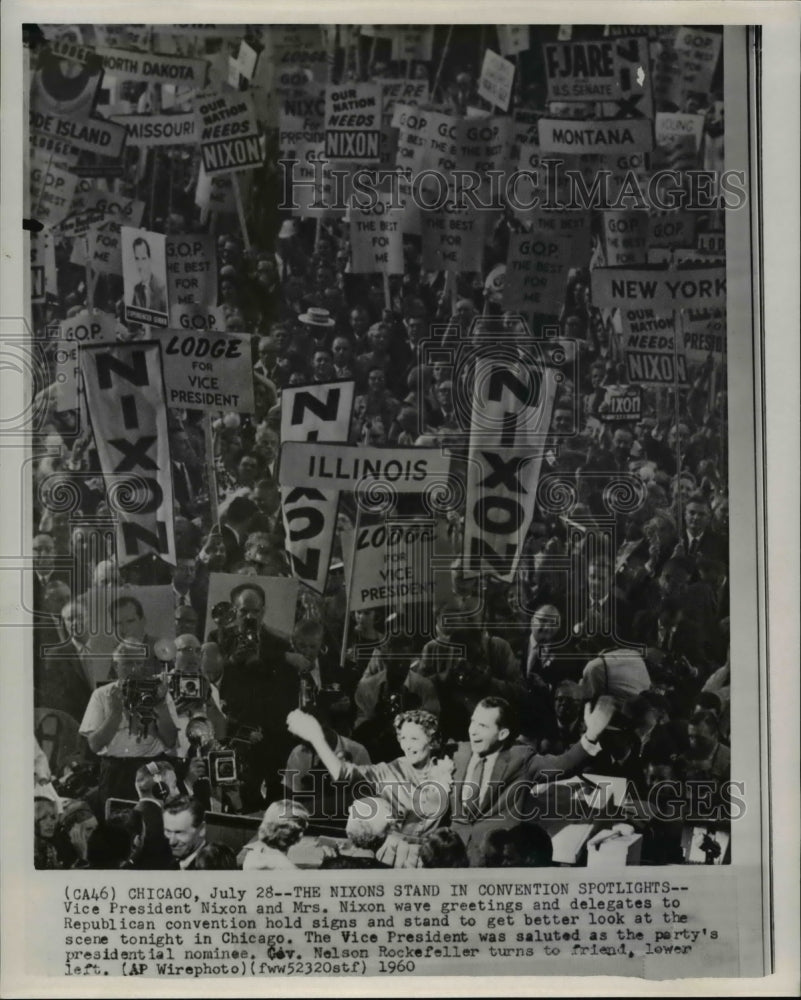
column 235, row 528
column 698, row 538
column 492, row 777
column 60, row 680
column 187, row 475
column 44, row 558
column 63, row 677
column 603, row 615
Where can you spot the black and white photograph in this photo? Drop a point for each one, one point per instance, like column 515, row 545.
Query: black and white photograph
column 393, row 486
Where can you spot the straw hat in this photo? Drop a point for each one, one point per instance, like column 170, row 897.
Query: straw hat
column 316, row 317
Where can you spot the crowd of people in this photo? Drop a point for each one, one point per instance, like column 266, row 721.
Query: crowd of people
column 361, row 741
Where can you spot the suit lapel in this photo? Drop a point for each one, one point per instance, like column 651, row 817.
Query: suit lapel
column 461, row 761
column 507, row 763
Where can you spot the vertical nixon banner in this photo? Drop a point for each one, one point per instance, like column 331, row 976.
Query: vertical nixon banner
column 125, row 400
column 313, row 413
column 512, row 402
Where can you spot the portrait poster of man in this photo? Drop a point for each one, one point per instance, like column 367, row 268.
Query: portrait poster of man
column 144, row 270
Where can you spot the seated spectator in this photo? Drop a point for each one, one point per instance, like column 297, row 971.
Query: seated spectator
column 369, row 823
column 109, row 845
column 216, row 857
column 282, row 825
column 566, row 720
column 443, row 849
column 707, row 758
column 525, row 845
column 45, row 824
column 156, row 782
column 77, row 824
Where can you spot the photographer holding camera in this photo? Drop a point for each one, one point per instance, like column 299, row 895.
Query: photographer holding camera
column 213, row 773
column 249, row 653
column 192, row 693
column 129, row 721
column 250, row 687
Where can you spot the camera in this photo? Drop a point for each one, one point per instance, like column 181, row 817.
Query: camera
column 462, row 673
column 247, row 638
column 223, row 767
column 223, row 614
column 395, row 703
column 140, row 695
column 307, row 698
column 188, row 687
column 79, row 782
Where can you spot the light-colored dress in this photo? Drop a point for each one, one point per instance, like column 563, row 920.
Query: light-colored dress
column 419, row 796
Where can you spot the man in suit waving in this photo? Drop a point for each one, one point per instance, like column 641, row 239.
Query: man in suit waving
column 491, row 773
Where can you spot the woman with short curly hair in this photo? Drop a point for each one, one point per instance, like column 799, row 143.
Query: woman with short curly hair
column 416, row 784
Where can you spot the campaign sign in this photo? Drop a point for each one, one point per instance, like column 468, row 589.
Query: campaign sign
column 621, row 404
column 348, row 467
column 353, row 122
column 566, row 135
column 453, row 239
column 229, row 135
column 203, row 372
column 513, row 38
column 376, row 238
column 665, row 290
column 497, row 79
column 704, row 333
column 52, row 190
column 387, row 563
column 191, row 270
column 159, row 130
column 312, row 413
column 144, row 272
column 536, row 273
column 83, row 328
column 625, row 237
column 599, row 70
